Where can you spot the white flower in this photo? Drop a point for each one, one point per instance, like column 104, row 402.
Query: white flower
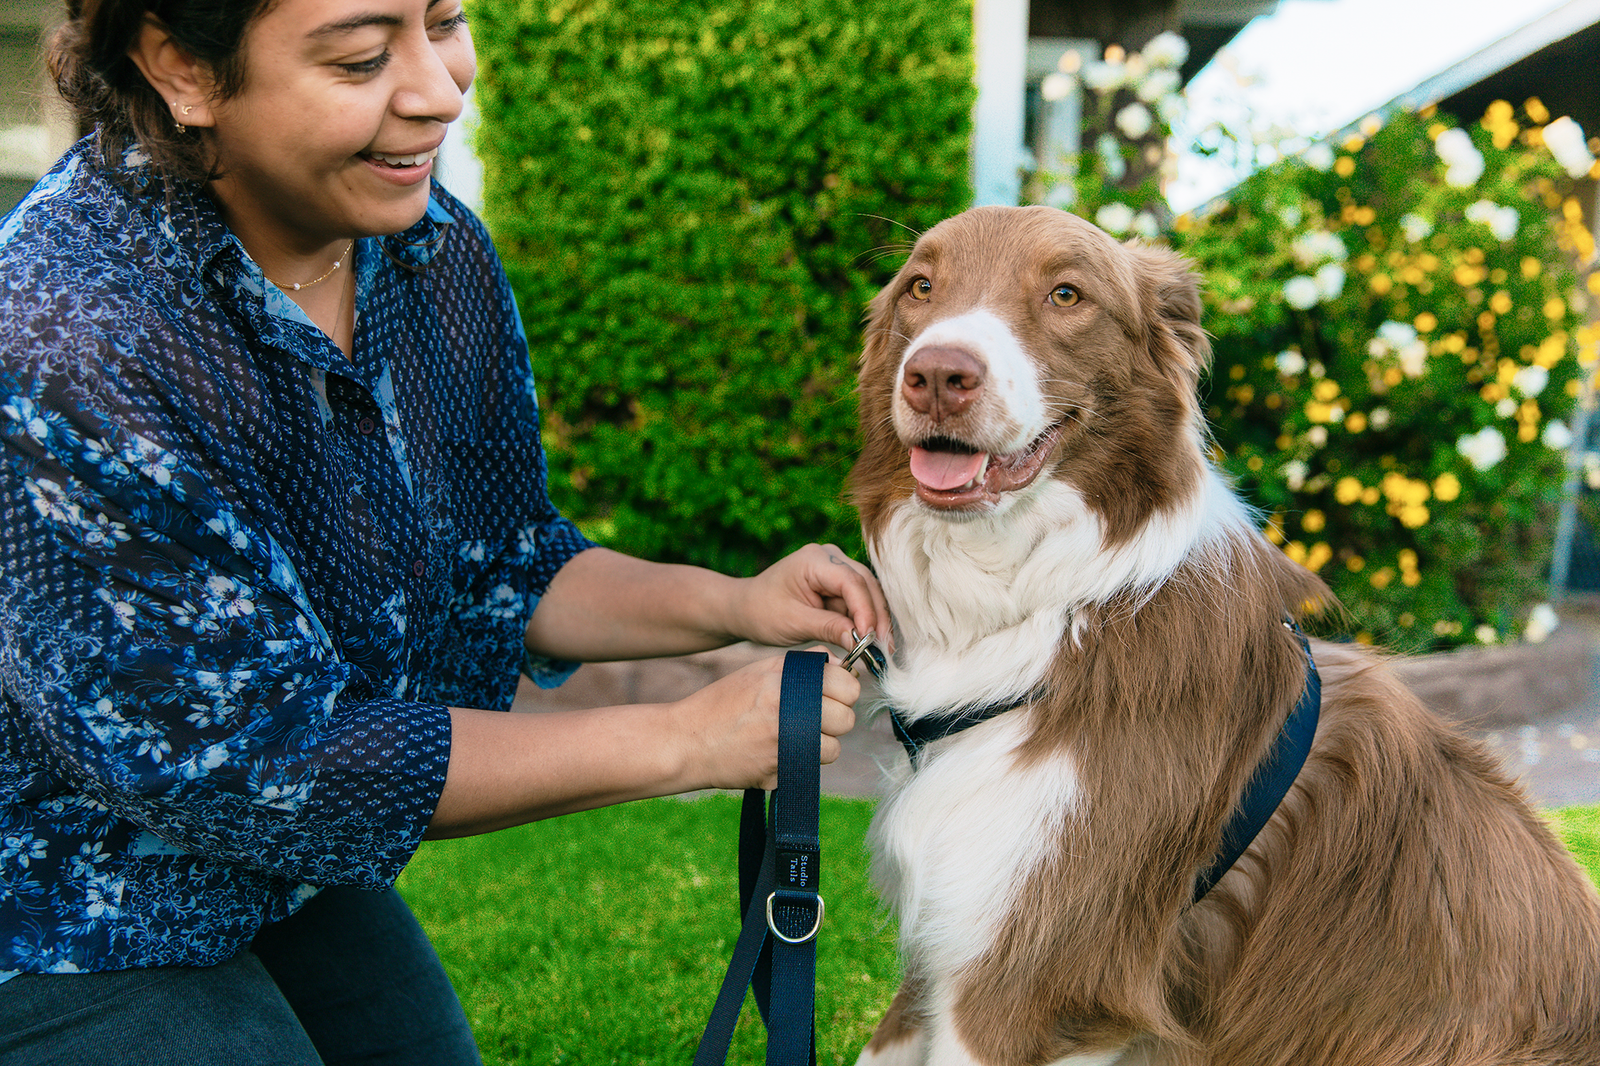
column 1505, row 408
column 1317, row 436
column 1295, row 473
column 1104, row 77
column 1166, row 49
column 1157, row 84
column 1316, row 246
column 1556, row 435
column 1415, row 227
column 1145, row 225
column 1531, row 380
column 1319, row 157
column 1056, row 86
column 1463, row 162
column 1397, row 334
column 1301, row 292
column 1542, row 621
column 1414, row 358
column 1114, row 218
column 1566, row 142
column 1290, row 362
column 1134, row 121
column 1110, row 152
column 1379, row 418
column 1329, row 279
column 1482, row 449
column 1502, row 221
column 1487, row 634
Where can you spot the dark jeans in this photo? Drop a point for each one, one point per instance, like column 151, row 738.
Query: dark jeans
column 349, row 978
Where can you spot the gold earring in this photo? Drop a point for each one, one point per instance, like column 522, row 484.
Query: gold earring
column 181, row 127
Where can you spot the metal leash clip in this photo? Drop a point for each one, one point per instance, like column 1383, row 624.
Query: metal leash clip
column 868, row 654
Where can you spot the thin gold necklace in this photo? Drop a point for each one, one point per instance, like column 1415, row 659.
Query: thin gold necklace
column 337, row 263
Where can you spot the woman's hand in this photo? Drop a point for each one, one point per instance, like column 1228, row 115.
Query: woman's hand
column 816, row 593
column 507, row 769
column 729, row 729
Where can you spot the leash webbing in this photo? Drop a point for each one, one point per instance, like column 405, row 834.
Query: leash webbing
column 780, row 853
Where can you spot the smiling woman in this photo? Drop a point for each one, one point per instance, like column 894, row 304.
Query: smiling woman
column 278, row 545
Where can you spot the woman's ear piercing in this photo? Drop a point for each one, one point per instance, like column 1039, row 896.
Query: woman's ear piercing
column 186, row 109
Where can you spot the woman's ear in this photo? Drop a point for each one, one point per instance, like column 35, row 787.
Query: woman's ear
column 183, row 81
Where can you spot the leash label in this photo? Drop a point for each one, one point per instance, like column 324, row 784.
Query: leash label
column 798, row 869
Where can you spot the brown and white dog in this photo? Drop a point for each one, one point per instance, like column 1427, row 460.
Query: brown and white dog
column 1037, row 499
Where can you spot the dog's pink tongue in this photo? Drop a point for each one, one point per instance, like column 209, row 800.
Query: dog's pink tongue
column 945, row 470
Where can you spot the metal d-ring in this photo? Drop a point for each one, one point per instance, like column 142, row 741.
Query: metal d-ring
column 867, row 653
column 816, row 925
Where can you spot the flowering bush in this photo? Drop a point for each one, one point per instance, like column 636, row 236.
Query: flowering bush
column 1399, row 341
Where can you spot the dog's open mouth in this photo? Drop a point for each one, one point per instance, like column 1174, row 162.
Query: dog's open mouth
column 952, row 474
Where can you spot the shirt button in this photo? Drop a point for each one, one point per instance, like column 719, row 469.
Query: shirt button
column 419, row 568
column 366, row 425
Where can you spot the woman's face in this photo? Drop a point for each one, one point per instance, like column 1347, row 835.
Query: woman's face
column 343, row 107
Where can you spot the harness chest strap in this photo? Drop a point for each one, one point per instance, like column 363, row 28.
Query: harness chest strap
column 1270, row 783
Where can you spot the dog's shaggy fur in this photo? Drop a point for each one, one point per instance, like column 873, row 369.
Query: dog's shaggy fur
column 1037, row 499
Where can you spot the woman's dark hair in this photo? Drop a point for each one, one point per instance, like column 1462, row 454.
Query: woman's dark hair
column 90, row 64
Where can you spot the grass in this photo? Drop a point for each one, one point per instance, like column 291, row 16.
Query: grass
column 601, row 938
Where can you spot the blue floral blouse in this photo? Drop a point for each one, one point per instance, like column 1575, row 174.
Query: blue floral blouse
column 243, row 575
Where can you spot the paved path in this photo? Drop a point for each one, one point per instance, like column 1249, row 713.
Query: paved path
column 1537, row 707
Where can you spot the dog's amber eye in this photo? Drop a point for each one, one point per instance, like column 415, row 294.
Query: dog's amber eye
column 921, row 289
column 1064, row 296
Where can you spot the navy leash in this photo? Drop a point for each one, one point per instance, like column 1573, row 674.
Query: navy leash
column 780, row 853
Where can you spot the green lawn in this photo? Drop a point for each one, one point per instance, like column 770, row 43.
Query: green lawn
column 601, row 938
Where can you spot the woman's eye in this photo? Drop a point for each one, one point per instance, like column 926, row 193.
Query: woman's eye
column 921, row 289
column 366, row 66
column 1065, row 296
column 446, row 27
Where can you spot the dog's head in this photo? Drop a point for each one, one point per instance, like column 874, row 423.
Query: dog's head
column 1023, row 344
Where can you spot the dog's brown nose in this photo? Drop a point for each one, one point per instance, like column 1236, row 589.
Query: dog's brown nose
column 942, row 382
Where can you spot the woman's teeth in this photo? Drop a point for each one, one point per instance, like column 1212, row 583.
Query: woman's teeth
column 402, row 160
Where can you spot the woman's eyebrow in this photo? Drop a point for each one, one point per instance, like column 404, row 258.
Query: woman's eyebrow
column 353, row 23
column 356, row 22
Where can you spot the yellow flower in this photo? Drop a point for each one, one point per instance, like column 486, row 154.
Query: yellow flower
column 1554, row 308
column 1531, row 266
column 1446, row 487
column 1347, row 490
column 1380, row 284
column 1369, row 495
column 1500, row 302
column 1425, row 322
column 1313, row 521
column 1355, row 564
column 1356, row 422
column 1414, row 516
column 1318, row 557
column 1411, row 579
column 1345, row 166
column 1380, row 578
column 1254, row 462
column 1325, row 390
column 1407, row 559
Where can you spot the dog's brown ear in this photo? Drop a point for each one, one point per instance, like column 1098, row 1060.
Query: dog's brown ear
column 1170, row 293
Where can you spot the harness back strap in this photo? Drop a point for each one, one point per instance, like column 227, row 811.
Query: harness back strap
column 1273, row 777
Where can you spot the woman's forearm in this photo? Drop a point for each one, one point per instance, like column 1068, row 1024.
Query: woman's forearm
column 604, row 606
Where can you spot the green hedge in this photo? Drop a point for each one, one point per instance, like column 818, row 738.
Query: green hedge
column 692, row 202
